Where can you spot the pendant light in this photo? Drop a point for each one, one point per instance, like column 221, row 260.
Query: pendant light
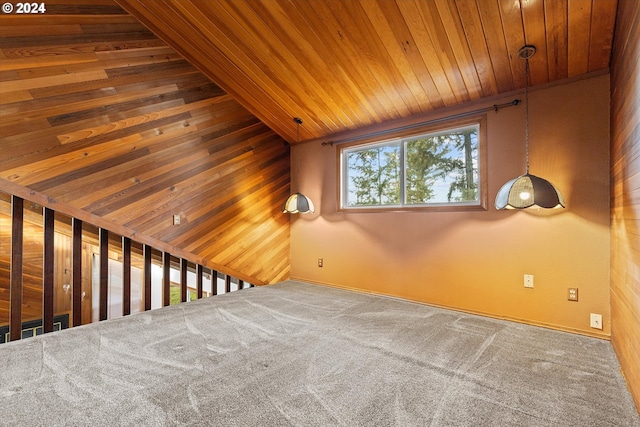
column 298, row 202
column 528, row 191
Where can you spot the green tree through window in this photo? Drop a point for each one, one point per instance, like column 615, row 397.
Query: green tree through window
column 432, row 169
column 375, row 176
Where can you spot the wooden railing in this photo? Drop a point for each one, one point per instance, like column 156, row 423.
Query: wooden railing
column 76, row 230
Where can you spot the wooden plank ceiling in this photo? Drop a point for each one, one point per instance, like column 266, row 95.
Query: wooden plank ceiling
column 99, row 114
column 342, row 65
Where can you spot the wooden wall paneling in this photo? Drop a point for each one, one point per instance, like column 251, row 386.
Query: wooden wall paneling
column 76, row 274
column 166, row 279
column 226, row 213
column 134, row 126
column 104, row 274
column 147, row 276
column 48, row 270
column 625, row 184
column 32, row 261
column 126, row 276
column 5, row 256
column 17, row 219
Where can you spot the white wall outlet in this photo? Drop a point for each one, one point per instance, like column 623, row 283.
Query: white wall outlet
column 176, row 220
column 596, row 321
column 528, row 280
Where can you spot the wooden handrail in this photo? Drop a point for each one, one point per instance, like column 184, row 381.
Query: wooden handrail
column 17, row 256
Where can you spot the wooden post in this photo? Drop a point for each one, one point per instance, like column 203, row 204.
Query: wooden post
column 166, row 278
column 47, row 271
column 183, row 280
column 199, row 273
column 76, row 268
column 104, row 273
column 126, row 276
column 15, row 287
column 147, row 277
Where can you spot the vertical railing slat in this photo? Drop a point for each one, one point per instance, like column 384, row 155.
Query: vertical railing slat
column 214, row 282
column 126, row 276
column 47, row 271
column 199, row 274
column 76, row 272
column 104, row 274
column 15, row 298
column 227, row 284
column 166, row 278
column 147, row 277
column 183, row 280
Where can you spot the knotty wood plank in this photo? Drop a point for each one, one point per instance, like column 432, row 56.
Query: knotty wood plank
column 534, row 30
column 460, row 48
column 513, row 29
column 557, row 51
column 603, row 17
column 578, row 32
column 473, row 29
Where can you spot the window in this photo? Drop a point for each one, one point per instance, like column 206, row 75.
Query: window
column 438, row 169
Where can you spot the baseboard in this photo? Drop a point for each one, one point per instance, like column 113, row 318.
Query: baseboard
column 561, row 328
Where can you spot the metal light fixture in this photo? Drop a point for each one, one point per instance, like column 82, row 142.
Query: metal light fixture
column 298, row 202
column 528, row 191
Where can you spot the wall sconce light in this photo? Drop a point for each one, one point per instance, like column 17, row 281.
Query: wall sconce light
column 298, row 202
column 528, row 190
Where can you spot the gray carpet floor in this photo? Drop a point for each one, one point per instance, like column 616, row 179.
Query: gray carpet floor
column 295, row 354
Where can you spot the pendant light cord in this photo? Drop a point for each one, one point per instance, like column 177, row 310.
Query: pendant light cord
column 526, row 113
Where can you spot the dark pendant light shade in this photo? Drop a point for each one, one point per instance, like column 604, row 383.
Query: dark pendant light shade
column 298, row 203
column 529, row 191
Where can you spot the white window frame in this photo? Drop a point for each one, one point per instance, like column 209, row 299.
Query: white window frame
column 401, row 140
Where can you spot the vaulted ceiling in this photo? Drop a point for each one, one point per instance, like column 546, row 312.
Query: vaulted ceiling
column 342, row 65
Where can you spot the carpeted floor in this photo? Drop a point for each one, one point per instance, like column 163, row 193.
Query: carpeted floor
column 295, row 354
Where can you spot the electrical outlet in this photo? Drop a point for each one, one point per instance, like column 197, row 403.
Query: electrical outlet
column 573, row 294
column 320, row 262
column 596, row 321
column 176, row 220
column 528, row 280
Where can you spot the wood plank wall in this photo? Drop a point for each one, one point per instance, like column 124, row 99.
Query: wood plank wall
column 100, row 115
column 625, row 194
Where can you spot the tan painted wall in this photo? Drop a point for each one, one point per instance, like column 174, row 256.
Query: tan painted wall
column 475, row 261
